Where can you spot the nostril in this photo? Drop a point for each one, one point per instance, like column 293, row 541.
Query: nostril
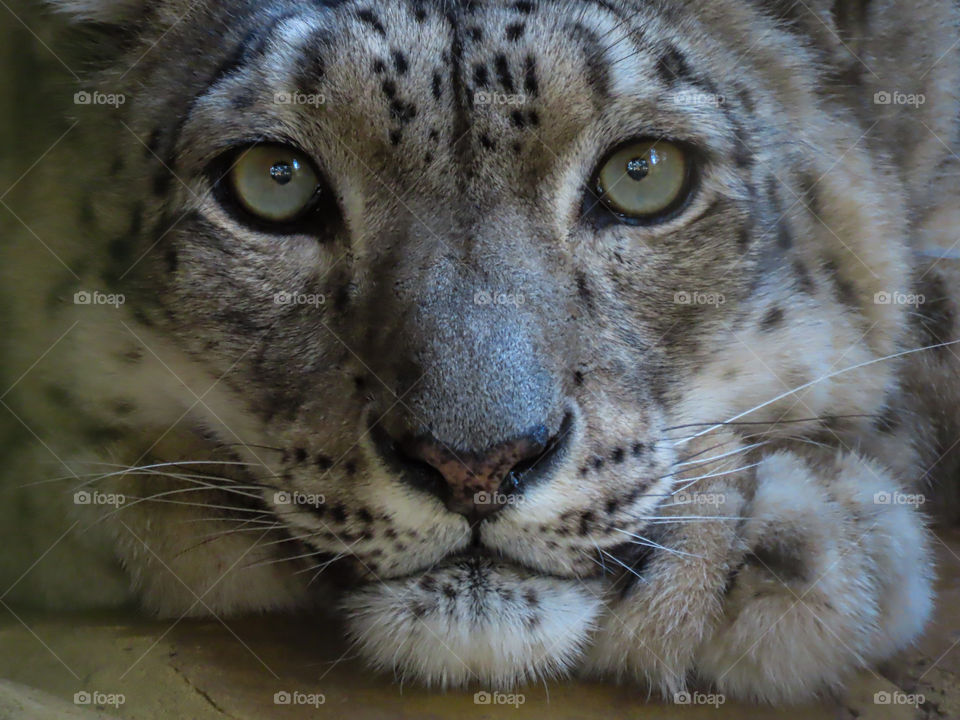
column 474, row 484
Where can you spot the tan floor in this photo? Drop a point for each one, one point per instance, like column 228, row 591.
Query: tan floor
column 213, row 671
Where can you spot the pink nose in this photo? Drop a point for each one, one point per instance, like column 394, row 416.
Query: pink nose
column 477, row 484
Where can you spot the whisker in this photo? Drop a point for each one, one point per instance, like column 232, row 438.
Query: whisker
column 828, row 376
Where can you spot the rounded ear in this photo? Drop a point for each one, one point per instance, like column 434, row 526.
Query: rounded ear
column 104, row 11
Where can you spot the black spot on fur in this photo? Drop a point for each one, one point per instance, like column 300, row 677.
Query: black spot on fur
column 672, row 66
column 888, row 421
column 516, row 117
column 515, row 31
column 638, row 449
column 772, row 319
column 486, row 142
column 339, row 513
column 379, row 66
column 400, row 62
column 389, row 88
column 578, row 378
column 530, row 83
column 370, row 18
column 583, row 290
column 784, row 235
column 936, row 316
column 618, row 455
column 481, row 76
column 395, row 137
column 299, row 454
column 502, row 67
column 323, row 463
column 401, row 112
column 804, row 278
column 782, row 559
column 476, row 34
column 171, row 259
column 586, row 520
column 811, row 199
column 844, row 290
column 437, row 87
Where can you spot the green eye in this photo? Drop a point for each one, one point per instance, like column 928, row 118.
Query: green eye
column 644, row 179
column 274, row 182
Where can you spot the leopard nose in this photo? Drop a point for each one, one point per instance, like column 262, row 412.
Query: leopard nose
column 476, row 484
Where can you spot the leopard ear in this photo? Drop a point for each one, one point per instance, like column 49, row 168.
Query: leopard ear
column 104, row 11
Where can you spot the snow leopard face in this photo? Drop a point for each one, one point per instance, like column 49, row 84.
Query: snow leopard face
column 458, row 287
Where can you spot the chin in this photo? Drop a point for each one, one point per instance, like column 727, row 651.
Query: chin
column 474, row 621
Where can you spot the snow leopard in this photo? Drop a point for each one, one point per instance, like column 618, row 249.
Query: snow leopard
column 535, row 338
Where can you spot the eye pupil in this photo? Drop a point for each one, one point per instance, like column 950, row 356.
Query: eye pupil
column 638, row 168
column 282, row 172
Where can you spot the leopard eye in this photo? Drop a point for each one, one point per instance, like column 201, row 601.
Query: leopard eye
column 276, row 183
column 644, row 181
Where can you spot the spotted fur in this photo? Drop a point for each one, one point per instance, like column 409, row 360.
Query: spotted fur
column 799, row 400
